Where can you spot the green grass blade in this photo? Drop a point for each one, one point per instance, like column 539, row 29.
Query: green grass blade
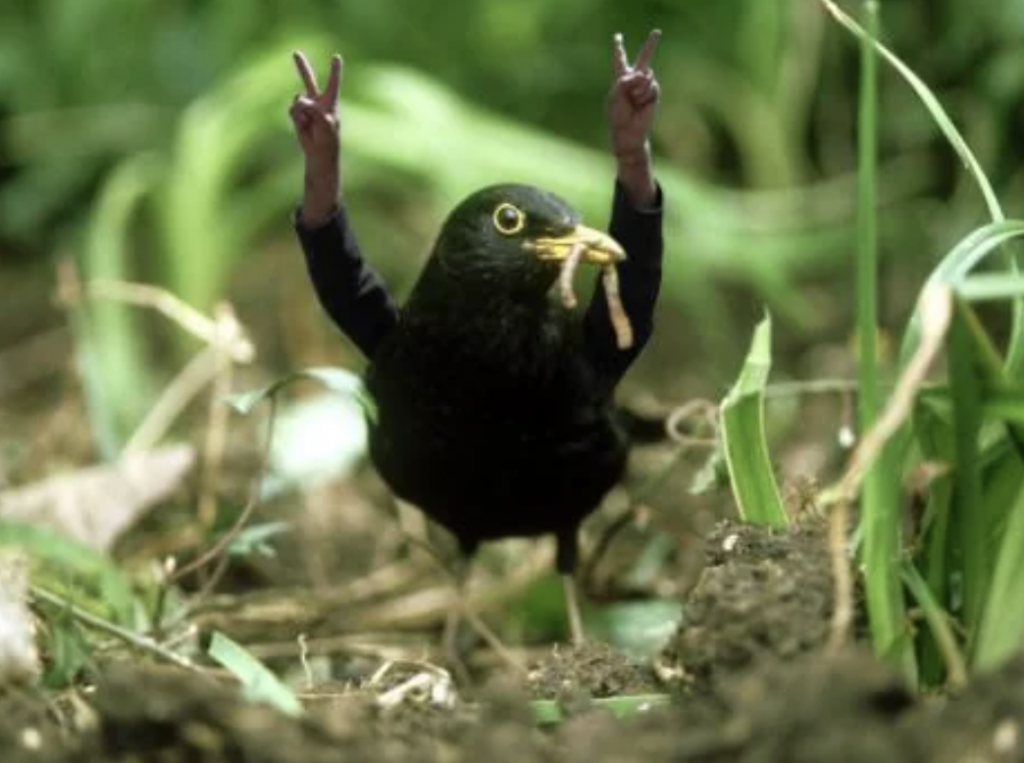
column 69, row 557
column 935, row 108
column 989, row 287
column 939, row 624
column 260, row 684
column 933, row 434
column 743, row 437
column 1005, row 405
column 1015, row 361
column 867, row 238
column 989, row 362
column 966, row 390
column 118, row 381
column 1001, row 631
column 956, row 266
column 989, row 365
column 880, row 497
column 220, row 137
column 335, row 379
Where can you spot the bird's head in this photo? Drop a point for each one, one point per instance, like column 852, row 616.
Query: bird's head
column 515, row 238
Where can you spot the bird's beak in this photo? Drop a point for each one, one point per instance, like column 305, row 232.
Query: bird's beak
column 598, row 248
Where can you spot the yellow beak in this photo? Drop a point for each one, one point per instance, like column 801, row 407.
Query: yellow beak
column 598, row 248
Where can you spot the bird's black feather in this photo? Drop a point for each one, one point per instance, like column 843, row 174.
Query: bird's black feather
column 494, row 402
column 490, row 418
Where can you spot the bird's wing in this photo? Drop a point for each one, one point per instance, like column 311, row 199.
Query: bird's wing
column 351, row 292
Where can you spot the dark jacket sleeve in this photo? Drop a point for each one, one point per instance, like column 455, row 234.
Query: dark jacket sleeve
column 639, row 231
column 348, row 289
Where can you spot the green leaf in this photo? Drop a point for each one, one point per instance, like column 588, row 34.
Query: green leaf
column 744, row 440
column 70, row 556
column 939, row 624
column 954, row 268
column 335, row 379
column 548, row 711
column 260, row 684
column 117, row 378
column 880, row 515
column 1004, row 405
column 933, row 432
column 67, row 649
column 987, row 287
column 1001, row 631
column 205, row 213
column 254, row 539
column 965, row 388
column 639, row 628
column 712, row 475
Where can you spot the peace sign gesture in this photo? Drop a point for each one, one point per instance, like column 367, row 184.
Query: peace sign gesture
column 315, row 114
column 633, row 98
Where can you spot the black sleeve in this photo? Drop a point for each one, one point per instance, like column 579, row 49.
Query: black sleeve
column 639, row 231
column 348, row 289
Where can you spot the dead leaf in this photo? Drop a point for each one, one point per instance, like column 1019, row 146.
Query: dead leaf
column 19, row 659
column 95, row 505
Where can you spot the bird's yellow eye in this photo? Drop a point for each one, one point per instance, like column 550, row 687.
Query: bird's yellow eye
column 508, row 219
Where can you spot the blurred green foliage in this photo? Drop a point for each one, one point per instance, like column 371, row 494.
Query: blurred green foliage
column 150, row 138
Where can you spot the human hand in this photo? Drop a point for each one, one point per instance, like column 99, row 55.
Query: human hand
column 633, row 99
column 315, row 118
column 315, row 115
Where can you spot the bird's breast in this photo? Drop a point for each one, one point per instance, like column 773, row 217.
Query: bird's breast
column 486, row 413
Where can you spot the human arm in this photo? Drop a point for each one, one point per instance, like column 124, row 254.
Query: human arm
column 352, row 294
column 632, row 104
column 636, row 221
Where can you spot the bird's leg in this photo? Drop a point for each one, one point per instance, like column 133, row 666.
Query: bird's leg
column 462, row 612
column 450, row 637
column 572, row 609
column 566, row 555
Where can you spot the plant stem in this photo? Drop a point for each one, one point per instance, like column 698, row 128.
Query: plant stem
column 134, row 640
column 880, row 508
column 867, row 238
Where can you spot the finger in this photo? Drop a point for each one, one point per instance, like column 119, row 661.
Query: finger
column 630, row 81
column 305, row 105
column 643, row 60
column 638, row 80
column 620, row 63
column 641, row 84
column 321, row 118
column 645, row 96
column 333, row 82
column 309, row 109
column 306, row 72
column 655, row 92
column 299, row 115
column 314, row 117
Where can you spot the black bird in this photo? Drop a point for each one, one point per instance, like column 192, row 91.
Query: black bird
column 490, row 417
column 494, row 401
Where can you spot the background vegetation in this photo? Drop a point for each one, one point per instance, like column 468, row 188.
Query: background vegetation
column 148, row 141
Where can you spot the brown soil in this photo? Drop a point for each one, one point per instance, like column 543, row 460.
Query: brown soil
column 762, row 594
column 747, row 669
